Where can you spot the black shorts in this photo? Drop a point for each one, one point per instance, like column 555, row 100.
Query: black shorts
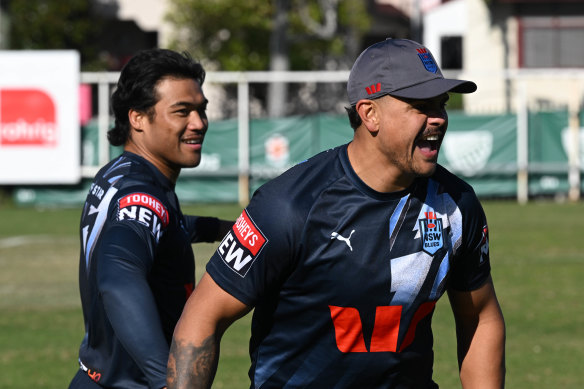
column 82, row 381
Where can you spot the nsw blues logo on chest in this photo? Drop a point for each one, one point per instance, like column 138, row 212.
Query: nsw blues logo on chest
column 432, row 233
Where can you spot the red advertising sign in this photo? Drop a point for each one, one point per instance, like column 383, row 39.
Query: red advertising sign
column 27, row 118
column 40, row 136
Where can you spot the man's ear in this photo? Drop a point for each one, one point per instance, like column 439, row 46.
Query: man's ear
column 136, row 119
column 367, row 110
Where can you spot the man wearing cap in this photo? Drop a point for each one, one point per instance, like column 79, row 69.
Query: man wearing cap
column 344, row 256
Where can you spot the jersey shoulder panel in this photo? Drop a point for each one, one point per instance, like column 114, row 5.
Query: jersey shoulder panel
column 130, row 191
column 261, row 249
column 455, row 186
column 297, row 189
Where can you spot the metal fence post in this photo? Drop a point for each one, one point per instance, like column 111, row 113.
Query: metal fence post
column 574, row 146
column 243, row 139
column 103, row 121
column 522, row 144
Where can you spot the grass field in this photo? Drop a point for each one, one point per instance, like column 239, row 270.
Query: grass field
column 537, row 254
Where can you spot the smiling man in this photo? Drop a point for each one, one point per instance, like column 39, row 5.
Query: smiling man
column 137, row 267
column 345, row 255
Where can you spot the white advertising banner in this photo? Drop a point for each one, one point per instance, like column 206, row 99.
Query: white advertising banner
column 39, row 117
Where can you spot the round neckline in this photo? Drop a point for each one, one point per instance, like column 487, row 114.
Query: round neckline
column 366, row 189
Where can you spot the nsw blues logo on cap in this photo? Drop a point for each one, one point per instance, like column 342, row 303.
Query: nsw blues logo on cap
column 427, row 60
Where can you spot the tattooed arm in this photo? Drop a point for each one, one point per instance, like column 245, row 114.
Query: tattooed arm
column 194, row 352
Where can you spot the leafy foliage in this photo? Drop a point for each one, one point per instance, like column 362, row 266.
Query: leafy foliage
column 235, row 35
column 54, row 24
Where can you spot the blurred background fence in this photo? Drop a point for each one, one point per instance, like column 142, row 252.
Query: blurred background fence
column 530, row 149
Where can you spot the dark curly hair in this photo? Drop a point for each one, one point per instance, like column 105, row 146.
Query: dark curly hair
column 136, row 87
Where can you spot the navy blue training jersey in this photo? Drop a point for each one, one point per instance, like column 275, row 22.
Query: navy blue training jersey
column 136, row 271
column 344, row 279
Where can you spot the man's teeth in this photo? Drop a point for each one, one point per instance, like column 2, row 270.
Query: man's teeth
column 191, row 141
column 432, row 137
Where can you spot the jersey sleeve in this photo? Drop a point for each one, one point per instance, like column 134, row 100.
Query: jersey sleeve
column 472, row 263
column 202, row 228
column 257, row 253
column 125, row 257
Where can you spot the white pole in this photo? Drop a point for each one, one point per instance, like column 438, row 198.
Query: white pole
column 574, row 146
column 243, row 140
column 103, row 121
column 522, row 144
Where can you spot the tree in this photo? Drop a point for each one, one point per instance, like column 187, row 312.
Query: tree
column 276, row 35
column 55, row 24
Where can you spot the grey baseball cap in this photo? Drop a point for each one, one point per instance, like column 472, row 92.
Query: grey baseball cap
column 401, row 68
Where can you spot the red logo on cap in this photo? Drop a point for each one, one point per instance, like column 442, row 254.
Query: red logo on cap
column 373, row 88
column 27, row 118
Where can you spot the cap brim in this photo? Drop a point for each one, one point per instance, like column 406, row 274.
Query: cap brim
column 435, row 87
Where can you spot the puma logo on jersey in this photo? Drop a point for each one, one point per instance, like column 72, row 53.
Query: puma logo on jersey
column 336, row 235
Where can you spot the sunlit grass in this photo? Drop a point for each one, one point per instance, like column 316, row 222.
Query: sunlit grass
column 537, row 257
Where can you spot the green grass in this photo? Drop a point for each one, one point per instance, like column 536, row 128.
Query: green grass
column 537, row 257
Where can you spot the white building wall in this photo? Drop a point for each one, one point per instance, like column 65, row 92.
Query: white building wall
column 491, row 58
column 484, row 59
column 483, row 50
column 149, row 16
column 447, row 20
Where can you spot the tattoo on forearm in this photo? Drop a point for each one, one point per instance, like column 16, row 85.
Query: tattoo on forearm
column 190, row 366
